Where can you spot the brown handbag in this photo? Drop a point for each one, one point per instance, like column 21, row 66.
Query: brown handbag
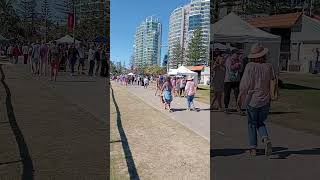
column 274, row 87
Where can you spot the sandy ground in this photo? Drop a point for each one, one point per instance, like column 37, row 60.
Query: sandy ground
column 155, row 146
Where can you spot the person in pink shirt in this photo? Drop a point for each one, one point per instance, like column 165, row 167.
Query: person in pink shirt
column 190, row 91
column 255, row 96
column 232, row 78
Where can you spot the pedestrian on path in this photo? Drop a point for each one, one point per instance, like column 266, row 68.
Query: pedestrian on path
column 145, row 82
column 9, row 53
column 16, row 53
column 81, row 59
column 183, row 83
column 190, row 90
column 104, row 63
column 219, row 71
column 174, row 84
column 35, row 57
column 167, row 93
column 44, row 50
column 255, row 96
column 30, row 57
column 177, row 89
column 25, row 51
column 98, row 61
column 54, row 58
column 73, row 56
column 91, row 60
column 232, row 78
column 159, row 84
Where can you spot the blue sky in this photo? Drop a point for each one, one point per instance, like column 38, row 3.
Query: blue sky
column 126, row 15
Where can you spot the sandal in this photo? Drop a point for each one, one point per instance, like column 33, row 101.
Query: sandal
column 268, row 148
column 252, row 152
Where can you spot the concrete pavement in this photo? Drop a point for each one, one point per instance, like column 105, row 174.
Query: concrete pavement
column 296, row 154
column 61, row 128
column 197, row 121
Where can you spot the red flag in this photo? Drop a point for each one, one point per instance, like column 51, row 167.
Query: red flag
column 70, row 21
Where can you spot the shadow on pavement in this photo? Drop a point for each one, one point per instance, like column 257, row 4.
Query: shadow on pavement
column 278, row 112
column 117, row 141
column 233, row 152
column 10, row 162
column 285, row 154
column 23, row 148
column 125, row 145
column 75, row 81
column 178, row 109
column 280, row 152
column 297, row 87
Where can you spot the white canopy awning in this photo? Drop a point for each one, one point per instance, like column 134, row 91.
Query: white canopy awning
column 310, row 31
column 172, row 72
column 67, row 39
column 131, row 74
column 185, row 71
column 222, row 47
column 233, row 29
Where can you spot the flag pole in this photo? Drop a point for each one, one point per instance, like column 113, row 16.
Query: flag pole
column 74, row 22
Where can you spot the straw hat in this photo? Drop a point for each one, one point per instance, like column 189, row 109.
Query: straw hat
column 257, row 51
column 190, row 78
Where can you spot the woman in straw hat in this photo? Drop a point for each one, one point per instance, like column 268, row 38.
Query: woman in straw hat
column 255, row 96
column 190, row 91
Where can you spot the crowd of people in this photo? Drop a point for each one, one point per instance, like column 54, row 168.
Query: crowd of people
column 50, row 58
column 250, row 77
column 167, row 87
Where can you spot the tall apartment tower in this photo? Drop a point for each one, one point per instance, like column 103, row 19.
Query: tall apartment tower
column 147, row 43
column 183, row 21
column 178, row 31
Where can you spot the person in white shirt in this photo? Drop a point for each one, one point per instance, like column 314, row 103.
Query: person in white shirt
column 25, row 51
column 146, row 82
column 9, row 53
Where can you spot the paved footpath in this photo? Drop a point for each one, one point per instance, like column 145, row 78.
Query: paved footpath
column 51, row 130
column 296, row 154
column 198, row 121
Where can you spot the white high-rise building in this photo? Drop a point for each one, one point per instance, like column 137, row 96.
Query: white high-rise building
column 178, row 31
column 147, row 43
column 183, row 21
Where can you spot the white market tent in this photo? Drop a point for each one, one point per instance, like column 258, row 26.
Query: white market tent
column 310, row 31
column 232, row 29
column 182, row 70
column 131, row 74
column 67, row 39
column 172, row 72
column 222, row 47
column 304, row 44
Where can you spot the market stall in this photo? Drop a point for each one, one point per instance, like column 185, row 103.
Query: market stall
column 232, row 29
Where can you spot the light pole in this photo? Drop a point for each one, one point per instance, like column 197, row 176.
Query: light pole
column 164, row 46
